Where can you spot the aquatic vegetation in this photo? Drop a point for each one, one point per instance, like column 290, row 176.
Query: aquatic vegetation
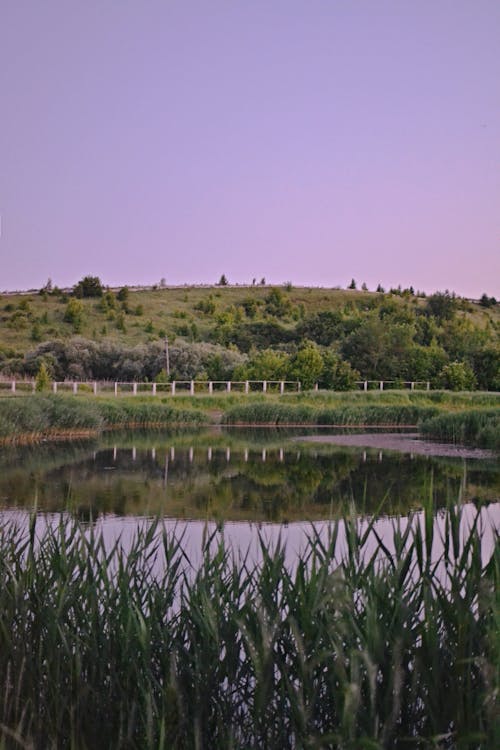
column 359, row 643
column 480, row 427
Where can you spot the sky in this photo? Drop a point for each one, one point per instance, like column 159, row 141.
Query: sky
column 304, row 141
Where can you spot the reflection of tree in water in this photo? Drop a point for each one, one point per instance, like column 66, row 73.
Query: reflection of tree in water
column 231, row 483
column 275, row 489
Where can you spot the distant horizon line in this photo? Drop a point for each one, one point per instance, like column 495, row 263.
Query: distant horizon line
column 207, row 285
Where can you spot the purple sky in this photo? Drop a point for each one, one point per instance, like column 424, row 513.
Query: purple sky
column 307, row 141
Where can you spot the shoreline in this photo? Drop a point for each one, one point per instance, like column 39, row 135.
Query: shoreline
column 403, row 443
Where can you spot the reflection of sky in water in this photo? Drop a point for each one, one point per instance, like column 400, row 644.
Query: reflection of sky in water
column 245, row 540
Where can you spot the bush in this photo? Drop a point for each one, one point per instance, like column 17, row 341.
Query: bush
column 89, row 286
column 42, row 381
column 457, row 376
column 74, row 314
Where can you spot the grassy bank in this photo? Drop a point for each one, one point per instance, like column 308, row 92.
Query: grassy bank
column 370, row 651
column 37, row 417
column 459, row 417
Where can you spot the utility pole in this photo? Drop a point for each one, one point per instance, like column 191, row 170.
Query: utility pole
column 167, row 358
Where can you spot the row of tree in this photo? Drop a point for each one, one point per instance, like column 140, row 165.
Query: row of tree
column 308, row 363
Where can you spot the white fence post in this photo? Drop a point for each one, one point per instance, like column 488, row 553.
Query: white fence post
column 75, row 387
column 54, row 387
column 95, row 388
column 365, row 385
column 13, row 386
column 264, row 386
column 134, row 389
column 381, row 385
column 153, row 389
column 116, row 389
column 191, row 388
column 173, row 388
column 228, row 386
column 282, row 387
column 210, row 387
column 247, row 386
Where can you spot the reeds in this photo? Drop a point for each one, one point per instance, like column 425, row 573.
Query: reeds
column 480, row 427
column 37, row 415
column 358, row 643
column 33, row 417
column 365, row 414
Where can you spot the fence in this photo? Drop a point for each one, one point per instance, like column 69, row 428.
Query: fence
column 176, row 387
column 193, row 387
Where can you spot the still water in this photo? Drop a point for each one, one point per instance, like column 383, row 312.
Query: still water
column 235, row 475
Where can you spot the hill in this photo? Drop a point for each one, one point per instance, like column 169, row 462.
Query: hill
column 396, row 335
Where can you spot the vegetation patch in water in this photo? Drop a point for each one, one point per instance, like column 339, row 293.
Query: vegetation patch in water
column 479, row 427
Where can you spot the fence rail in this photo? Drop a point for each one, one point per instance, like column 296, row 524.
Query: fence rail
column 193, row 387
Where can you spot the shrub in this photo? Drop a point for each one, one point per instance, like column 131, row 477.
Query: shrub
column 42, row 382
column 89, row 286
column 457, row 376
column 123, row 294
column 74, row 314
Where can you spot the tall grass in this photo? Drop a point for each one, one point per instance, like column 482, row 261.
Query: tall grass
column 142, row 413
column 39, row 415
column 365, row 414
column 366, row 648
column 478, row 426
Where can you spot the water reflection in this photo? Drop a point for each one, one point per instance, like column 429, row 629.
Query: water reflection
column 233, row 475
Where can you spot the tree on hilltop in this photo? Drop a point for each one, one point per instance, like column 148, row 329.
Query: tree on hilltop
column 89, row 286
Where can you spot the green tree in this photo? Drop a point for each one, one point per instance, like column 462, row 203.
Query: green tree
column 42, row 380
column 36, row 333
column 307, row 365
column 486, row 364
column 442, row 305
column 222, row 281
column 277, row 303
column 365, row 348
column 352, row 285
column 338, row 375
column 89, row 286
column 74, row 314
column 268, row 364
column 457, row 376
column 123, row 294
column 323, row 327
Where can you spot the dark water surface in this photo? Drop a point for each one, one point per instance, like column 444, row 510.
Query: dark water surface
column 235, row 475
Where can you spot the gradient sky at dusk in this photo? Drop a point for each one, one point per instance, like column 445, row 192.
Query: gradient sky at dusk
column 308, row 141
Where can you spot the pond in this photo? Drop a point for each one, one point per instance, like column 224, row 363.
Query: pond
column 240, row 475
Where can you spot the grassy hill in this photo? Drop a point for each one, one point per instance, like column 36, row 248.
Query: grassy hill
column 330, row 336
column 192, row 313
